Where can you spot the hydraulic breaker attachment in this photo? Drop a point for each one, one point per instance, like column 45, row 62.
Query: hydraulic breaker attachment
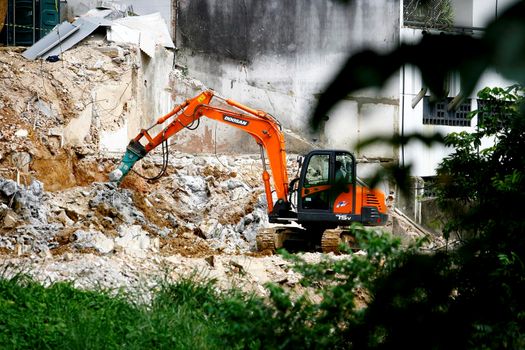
column 134, row 152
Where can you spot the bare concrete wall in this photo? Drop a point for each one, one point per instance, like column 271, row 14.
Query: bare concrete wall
column 279, row 55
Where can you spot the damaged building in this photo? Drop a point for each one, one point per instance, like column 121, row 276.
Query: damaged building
column 78, row 80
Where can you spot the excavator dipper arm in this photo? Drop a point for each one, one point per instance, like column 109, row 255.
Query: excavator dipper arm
column 263, row 127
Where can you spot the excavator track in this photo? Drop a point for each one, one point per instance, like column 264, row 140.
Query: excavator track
column 330, row 240
column 266, row 240
column 272, row 238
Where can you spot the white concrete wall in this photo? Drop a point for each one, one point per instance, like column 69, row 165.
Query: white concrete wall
column 463, row 12
column 478, row 13
column 424, row 160
column 484, row 11
column 287, row 82
column 147, row 97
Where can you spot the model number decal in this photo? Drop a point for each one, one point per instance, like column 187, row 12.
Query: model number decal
column 234, row 120
column 343, row 217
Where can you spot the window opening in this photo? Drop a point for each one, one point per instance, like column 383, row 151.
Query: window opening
column 343, row 168
column 436, row 113
column 317, row 173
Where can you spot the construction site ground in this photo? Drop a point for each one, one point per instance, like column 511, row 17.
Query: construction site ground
column 62, row 221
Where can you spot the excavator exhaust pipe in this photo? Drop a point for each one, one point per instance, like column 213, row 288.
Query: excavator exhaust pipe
column 134, row 152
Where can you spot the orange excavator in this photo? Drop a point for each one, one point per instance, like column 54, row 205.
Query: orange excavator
column 325, row 199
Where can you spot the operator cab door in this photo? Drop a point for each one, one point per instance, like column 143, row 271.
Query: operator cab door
column 326, row 184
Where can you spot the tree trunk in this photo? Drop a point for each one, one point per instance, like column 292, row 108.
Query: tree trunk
column 3, row 13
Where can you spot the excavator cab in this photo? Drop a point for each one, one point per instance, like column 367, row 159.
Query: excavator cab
column 329, row 192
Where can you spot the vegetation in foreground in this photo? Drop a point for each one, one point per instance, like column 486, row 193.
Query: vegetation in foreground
column 192, row 313
column 471, row 297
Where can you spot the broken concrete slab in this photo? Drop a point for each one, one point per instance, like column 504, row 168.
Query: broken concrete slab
column 135, row 241
column 117, row 201
column 10, row 220
column 22, row 133
column 93, row 239
column 146, row 31
column 111, row 51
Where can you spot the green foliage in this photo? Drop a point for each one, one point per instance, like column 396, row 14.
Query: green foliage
column 344, row 286
column 475, row 294
column 184, row 315
column 34, row 317
column 192, row 313
column 472, row 297
column 491, row 178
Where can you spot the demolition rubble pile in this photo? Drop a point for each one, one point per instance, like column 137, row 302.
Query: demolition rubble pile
column 61, row 220
column 56, row 207
column 197, row 210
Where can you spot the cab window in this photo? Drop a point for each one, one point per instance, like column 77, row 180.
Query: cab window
column 343, row 168
column 317, row 173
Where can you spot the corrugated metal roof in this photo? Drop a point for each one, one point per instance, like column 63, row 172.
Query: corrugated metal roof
column 64, row 37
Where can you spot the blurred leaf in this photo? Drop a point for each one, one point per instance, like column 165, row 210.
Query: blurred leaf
column 399, row 140
column 505, row 40
column 502, row 47
column 370, row 69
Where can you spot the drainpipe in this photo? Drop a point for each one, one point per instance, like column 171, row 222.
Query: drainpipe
column 174, row 9
column 403, row 115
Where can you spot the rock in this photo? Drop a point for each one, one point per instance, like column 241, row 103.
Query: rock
column 11, row 219
column 210, row 260
column 116, row 200
column 172, row 219
column 195, row 183
column 111, row 51
column 64, row 219
column 238, row 193
column 93, row 239
column 4, row 209
column 21, row 160
column 211, row 228
column 22, row 133
column 36, row 187
column 9, row 187
column 232, row 184
column 133, row 240
column 45, row 109
column 30, row 203
column 99, row 64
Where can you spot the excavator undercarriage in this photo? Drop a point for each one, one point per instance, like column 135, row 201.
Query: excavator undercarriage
column 269, row 240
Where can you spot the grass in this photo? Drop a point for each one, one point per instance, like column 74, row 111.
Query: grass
column 192, row 314
column 184, row 315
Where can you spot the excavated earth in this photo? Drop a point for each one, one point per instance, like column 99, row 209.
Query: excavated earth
column 61, row 220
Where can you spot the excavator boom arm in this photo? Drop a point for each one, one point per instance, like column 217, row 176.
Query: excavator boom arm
column 261, row 126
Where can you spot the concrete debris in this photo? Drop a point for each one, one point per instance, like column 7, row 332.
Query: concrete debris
column 30, row 239
column 93, row 239
column 135, row 241
column 115, row 202
column 28, row 202
column 21, row 160
column 146, row 31
column 21, row 133
column 10, row 219
column 62, row 132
